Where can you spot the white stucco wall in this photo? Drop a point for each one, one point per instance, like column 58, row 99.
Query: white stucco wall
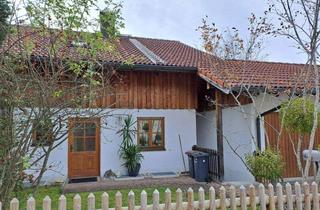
column 239, row 130
column 181, row 122
column 206, row 130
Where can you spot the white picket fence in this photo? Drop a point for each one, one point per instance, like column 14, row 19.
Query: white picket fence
column 304, row 197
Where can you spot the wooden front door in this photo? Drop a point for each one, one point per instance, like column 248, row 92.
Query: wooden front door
column 83, row 147
column 286, row 140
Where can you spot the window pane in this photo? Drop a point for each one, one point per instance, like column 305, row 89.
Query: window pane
column 78, row 144
column 156, row 127
column 156, row 139
column 143, row 126
column 90, row 129
column 143, row 139
column 90, row 144
column 78, row 129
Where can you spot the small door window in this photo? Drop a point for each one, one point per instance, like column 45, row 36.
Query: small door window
column 84, row 134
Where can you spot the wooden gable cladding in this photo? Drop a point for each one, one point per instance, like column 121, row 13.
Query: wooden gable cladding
column 151, row 90
column 207, row 97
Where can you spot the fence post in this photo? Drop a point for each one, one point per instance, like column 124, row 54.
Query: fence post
column 243, row 202
column 118, row 205
column 131, row 204
column 144, row 200
column 167, row 205
column 289, row 196
column 272, row 205
column 104, row 201
column 31, row 204
column 77, row 202
column 62, row 205
column 223, row 198
column 156, row 200
column 307, row 200
column 297, row 190
column 179, row 199
column 201, row 199
column 262, row 197
column 233, row 203
column 212, row 198
column 279, row 196
column 252, row 195
column 14, row 204
column 190, row 198
column 315, row 196
column 46, row 203
column 91, row 202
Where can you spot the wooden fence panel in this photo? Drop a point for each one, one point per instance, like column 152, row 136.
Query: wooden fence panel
column 62, row 203
column 31, row 204
column 77, row 202
column 272, row 126
column 272, row 203
column 297, row 190
column 235, row 199
column 202, row 198
column 104, row 201
column 167, row 199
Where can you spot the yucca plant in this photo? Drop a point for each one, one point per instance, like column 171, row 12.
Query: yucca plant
column 128, row 151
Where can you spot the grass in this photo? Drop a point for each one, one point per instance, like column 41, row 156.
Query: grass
column 54, row 193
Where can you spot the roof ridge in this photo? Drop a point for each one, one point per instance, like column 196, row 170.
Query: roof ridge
column 156, row 39
column 268, row 62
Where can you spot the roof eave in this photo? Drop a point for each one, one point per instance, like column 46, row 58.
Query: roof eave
column 160, row 68
column 224, row 90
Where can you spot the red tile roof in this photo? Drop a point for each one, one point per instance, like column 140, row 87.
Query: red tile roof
column 224, row 73
column 174, row 53
column 234, row 73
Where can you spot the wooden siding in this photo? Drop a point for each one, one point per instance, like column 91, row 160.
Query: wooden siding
column 207, row 97
column 151, row 90
column 272, row 129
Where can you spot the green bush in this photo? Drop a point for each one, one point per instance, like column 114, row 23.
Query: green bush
column 265, row 166
column 297, row 115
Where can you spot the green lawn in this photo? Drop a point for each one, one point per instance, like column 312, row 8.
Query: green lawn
column 55, row 191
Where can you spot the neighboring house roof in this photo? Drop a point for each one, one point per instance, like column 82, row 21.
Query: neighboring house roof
column 224, row 74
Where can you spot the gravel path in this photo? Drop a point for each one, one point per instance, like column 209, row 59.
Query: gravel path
column 183, row 182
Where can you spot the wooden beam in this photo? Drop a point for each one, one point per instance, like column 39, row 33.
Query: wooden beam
column 219, row 102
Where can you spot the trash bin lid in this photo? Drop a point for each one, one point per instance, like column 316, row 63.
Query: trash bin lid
column 199, row 154
column 192, row 152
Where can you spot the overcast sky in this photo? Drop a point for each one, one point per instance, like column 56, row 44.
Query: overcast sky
column 178, row 19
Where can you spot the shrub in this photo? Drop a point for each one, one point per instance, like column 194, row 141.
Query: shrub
column 297, row 115
column 265, row 166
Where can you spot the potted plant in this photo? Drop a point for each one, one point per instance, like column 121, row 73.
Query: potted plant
column 145, row 127
column 129, row 152
column 132, row 159
column 143, row 140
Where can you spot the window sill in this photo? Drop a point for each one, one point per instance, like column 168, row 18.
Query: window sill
column 152, row 149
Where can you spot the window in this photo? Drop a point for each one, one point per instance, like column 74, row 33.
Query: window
column 151, row 133
column 84, row 132
column 42, row 133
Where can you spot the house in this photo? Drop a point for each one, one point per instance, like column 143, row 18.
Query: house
column 184, row 92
